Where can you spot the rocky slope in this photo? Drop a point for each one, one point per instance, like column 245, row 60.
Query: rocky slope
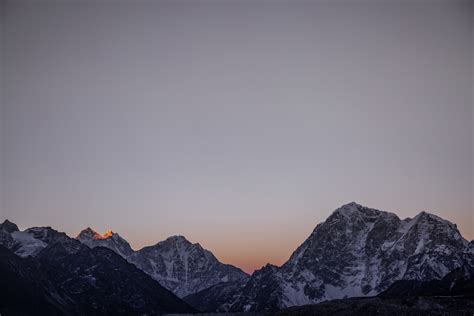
column 452, row 295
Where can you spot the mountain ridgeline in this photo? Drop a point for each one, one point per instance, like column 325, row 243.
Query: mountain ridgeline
column 356, row 252
column 177, row 264
column 48, row 273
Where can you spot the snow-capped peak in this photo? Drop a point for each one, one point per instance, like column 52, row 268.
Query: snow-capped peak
column 31, row 241
column 354, row 208
column 182, row 266
column 426, row 216
column 109, row 239
column 352, row 205
column 178, row 264
column 353, row 211
column 90, row 234
column 357, row 251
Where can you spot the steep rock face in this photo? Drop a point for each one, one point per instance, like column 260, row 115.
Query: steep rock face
column 358, row 251
column 184, row 267
column 109, row 240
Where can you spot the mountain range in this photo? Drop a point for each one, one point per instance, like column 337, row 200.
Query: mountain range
column 45, row 272
column 357, row 252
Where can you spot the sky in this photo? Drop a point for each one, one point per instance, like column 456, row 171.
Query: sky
column 240, row 125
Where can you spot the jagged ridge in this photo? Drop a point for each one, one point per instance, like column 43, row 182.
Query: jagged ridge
column 179, row 265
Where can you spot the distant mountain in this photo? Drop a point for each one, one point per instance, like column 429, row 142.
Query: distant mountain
column 65, row 276
column 109, row 240
column 357, row 251
column 177, row 264
column 184, row 267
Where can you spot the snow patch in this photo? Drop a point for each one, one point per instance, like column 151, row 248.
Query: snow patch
column 29, row 246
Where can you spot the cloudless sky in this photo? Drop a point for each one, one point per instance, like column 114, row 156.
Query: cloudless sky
column 238, row 124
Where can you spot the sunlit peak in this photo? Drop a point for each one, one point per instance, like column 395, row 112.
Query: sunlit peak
column 106, row 235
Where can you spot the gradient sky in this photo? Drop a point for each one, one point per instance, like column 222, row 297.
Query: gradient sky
column 240, row 125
